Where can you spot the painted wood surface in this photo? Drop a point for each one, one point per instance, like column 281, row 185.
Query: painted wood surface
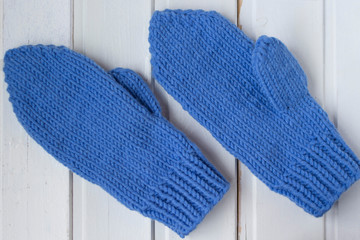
column 299, row 25
column 346, row 47
column 35, row 195
column 321, row 36
column 41, row 199
column 114, row 34
column 111, row 43
column 221, row 222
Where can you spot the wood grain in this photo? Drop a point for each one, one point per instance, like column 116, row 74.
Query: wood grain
column 114, row 34
column 36, row 195
column 347, row 59
column 35, row 187
column 221, row 222
column 299, row 24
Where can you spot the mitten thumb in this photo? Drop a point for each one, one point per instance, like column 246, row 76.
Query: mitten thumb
column 136, row 86
column 281, row 77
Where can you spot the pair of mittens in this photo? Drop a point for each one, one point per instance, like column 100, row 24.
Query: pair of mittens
column 108, row 128
column 254, row 100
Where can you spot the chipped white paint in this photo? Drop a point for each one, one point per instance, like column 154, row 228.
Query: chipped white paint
column 40, row 199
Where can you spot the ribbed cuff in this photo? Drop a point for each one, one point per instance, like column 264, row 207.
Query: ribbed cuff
column 192, row 189
column 329, row 167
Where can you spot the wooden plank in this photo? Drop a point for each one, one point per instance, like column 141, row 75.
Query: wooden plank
column 35, row 187
column 299, row 24
column 330, row 97
column 2, row 147
column 114, row 34
column 221, row 222
column 346, row 20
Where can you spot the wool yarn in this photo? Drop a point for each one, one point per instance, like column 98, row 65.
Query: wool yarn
column 254, row 100
column 108, row 128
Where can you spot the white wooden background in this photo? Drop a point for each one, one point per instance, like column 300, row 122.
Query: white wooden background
column 41, row 199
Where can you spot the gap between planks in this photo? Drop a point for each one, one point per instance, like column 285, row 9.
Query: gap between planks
column 238, row 166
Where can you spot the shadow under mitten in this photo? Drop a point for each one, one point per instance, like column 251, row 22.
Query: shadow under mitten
column 107, row 128
column 254, row 100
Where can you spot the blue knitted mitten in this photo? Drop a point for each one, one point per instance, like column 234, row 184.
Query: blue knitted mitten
column 253, row 98
column 107, row 128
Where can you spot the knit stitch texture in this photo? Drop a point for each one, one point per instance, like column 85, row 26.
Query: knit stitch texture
column 254, row 100
column 107, row 128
